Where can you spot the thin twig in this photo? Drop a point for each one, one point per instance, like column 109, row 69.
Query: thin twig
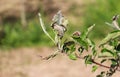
column 99, row 64
column 93, row 61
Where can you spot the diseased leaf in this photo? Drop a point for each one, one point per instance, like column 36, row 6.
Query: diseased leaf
column 76, row 34
column 82, row 39
column 65, row 22
column 110, row 36
column 94, row 68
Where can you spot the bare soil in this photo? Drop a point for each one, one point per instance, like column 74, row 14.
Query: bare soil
column 26, row 62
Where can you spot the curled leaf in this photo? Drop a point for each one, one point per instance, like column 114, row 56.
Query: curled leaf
column 87, row 31
column 110, row 36
column 109, row 52
column 94, row 68
column 43, row 28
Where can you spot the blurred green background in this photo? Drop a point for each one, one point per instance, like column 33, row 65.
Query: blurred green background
column 19, row 27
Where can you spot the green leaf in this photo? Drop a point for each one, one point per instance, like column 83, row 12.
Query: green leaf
column 68, row 46
column 103, row 60
column 81, row 49
column 81, row 42
column 118, row 48
column 88, row 59
column 91, row 43
column 58, row 18
column 94, row 68
column 72, row 48
column 72, row 56
column 92, row 46
column 86, row 32
column 111, row 36
column 113, row 43
column 102, row 74
column 94, row 52
column 104, row 50
column 114, row 62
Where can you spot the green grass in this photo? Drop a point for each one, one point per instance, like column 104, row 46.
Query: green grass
column 16, row 35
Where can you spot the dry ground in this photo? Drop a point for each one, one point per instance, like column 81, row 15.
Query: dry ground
column 25, row 62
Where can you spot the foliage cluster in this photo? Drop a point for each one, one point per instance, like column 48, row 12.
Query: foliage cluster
column 80, row 46
column 99, row 12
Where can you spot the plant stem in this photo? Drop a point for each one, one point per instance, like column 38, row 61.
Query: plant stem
column 93, row 61
column 99, row 64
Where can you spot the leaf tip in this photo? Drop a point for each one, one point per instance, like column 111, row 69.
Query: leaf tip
column 39, row 14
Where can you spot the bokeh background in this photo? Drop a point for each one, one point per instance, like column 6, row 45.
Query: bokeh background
column 22, row 40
